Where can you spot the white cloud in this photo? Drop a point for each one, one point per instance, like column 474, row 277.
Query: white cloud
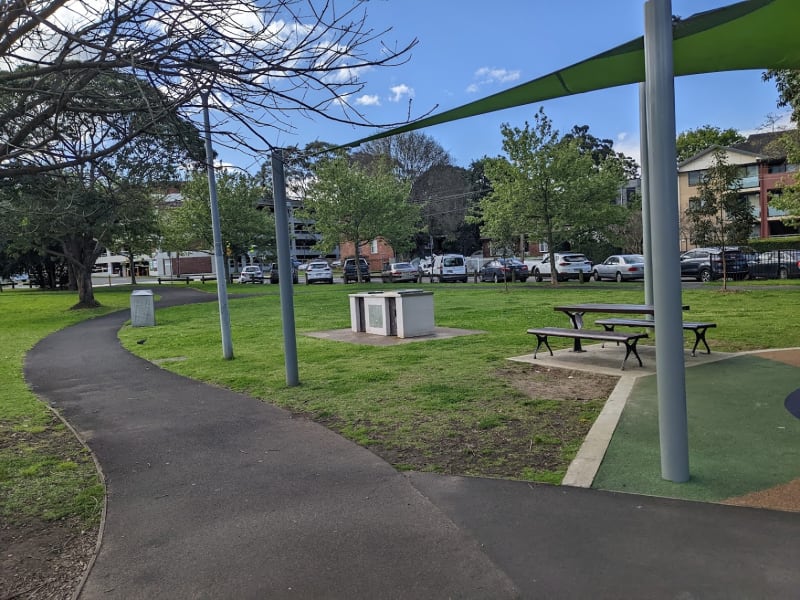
column 491, row 75
column 400, row 91
column 628, row 145
column 368, row 100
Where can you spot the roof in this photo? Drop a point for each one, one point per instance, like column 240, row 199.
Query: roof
column 756, row 156
column 766, row 144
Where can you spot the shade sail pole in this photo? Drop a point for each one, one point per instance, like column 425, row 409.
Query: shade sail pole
column 285, row 268
column 647, row 225
column 663, row 193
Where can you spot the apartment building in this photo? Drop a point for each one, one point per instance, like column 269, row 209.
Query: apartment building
column 763, row 169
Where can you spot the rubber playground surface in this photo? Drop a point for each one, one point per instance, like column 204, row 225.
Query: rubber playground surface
column 744, row 444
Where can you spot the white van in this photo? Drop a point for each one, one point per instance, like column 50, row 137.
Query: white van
column 449, row 267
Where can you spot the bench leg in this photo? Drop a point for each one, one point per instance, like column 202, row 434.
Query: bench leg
column 630, row 347
column 541, row 339
column 700, row 336
column 608, row 328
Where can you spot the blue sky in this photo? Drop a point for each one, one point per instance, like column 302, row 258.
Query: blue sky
column 469, row 49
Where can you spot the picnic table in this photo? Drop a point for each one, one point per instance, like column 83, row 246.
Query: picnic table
column 575, row 313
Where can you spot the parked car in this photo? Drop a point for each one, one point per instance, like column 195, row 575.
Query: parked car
column 425, row 265
column 620, row 267
column 349, row 272
column 569, row 265
column 318, row 271
column 274, row 276
column 775, row 264
column 398, row 272
column 705, row 264
column 504, row 269
column 449, row 267
column 251, row 274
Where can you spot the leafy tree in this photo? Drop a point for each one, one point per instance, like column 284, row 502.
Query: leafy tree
column 501, row 210
column 411, row 154
column 692, row 141
column 557, row 190
column 351, row 203
column 242, row 225
column 77, row 212
column 720, row 215
column 788, row 84
column 600, row 149
column 139, row 228
column 262, row 63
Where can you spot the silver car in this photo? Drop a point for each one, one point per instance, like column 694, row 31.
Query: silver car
column 620, row 267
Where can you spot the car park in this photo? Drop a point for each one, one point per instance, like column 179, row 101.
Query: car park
column 399, row 272
column 251, row 274
column 449, row 267
column 349, row 272
column 620, row 267
column 504, row 269
column 775, row 264
column 274, row 275
column 706, row 264
column 318, row 271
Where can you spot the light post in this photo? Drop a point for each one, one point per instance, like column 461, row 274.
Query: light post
column 219, row 257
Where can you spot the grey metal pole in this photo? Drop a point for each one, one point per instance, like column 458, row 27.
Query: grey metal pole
column 285, row 268
column 663, row 188
column 647, row 226
column 219, row 257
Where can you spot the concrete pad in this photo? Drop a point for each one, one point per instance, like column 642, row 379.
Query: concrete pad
column 370, row 339
column 608, row 360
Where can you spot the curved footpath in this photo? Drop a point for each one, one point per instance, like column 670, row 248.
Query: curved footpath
column 212, row 494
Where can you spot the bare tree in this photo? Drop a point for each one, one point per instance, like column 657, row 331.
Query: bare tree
column 412, row 153
column 261, row 65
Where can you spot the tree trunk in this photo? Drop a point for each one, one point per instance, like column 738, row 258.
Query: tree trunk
column 133, row 267
column 82, row 252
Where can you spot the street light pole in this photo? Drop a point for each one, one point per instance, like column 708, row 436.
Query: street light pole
column 219, row 257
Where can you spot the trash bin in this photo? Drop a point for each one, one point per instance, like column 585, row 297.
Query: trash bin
column 143, row 313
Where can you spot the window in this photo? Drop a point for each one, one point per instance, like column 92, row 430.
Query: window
column 748, row 171
column 696, row 177
column 695, row 204
column 373, row 247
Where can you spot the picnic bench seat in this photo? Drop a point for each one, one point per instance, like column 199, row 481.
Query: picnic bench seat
column 699, row 328
column 629, row 339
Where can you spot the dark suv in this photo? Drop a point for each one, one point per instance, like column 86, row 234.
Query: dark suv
column 705, row 264
column 274, row 276
column 349, row 270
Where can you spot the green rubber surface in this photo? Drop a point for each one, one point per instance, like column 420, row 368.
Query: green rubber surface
column 741, row 437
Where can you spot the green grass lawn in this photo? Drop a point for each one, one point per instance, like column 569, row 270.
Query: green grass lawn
column 442, row 405
column 45, row 474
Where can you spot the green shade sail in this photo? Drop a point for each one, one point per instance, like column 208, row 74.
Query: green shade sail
column 755, row 34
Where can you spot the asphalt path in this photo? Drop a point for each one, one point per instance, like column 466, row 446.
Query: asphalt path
column 212, row 494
